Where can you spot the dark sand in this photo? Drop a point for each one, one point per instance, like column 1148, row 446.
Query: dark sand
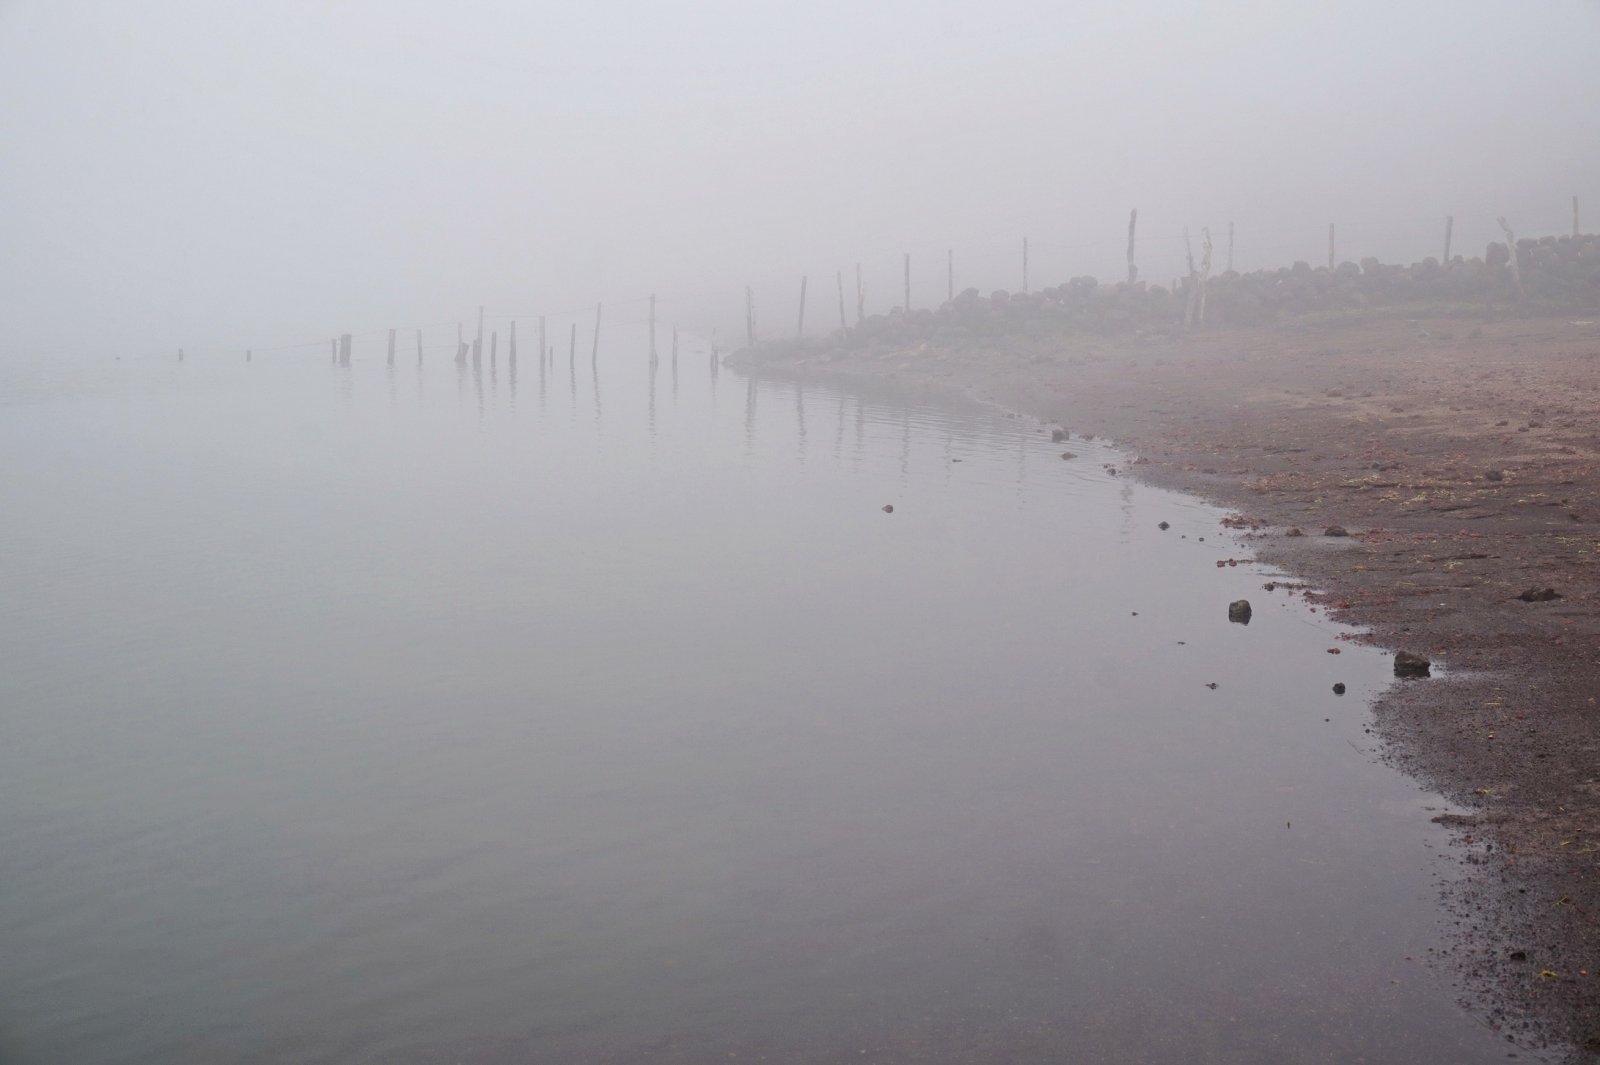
column 1463, row 457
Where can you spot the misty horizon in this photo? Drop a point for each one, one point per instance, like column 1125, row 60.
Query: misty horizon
column 211, row 177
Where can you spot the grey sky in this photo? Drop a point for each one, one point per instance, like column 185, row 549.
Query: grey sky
column 227, row 175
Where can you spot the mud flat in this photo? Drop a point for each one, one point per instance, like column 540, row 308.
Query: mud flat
column 1462, row 457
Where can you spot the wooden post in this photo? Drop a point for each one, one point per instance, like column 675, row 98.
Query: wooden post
column 800, row 330
column 1575, row 229
column 594, row 352
column 572, row 347
column 1194, row 290
column 1024, row 266
column 1133, row 222
column 908, row 284
column 652, row 329
column 391, row 347
column 1516, row 268
column 542, row 348
column 1205, row 271
column 1449, row 227
column 480, row 327
column 419, row 347
column 248, row 354
column 494, row 348
column 511, row 346
column 180, row 354
column 843, row 325
column 1331, row 263
column 950, row 275
column 861, row 297
column 750, row 315
column 1230, row 247
column 344, row 349
column 674, row 346
column 333, row 349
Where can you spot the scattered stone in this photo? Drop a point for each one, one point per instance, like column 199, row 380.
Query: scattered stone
column 888, row 508
column 1407, row 664
column 1334, row 651
column 1539, row 595
column 1239, row 611
column 1294, row 532
column 1338, row 689
column 1493, row 475
column 1058, row 435
column 1271, row 586
column 1335, row 530
column 1068, row 455
column 1518, row 955
column 1212, row 685
column 1163, row 526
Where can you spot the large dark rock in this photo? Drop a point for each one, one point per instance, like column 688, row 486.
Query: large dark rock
column 1539, row 595
column 1407, row 664
column 1239, row 611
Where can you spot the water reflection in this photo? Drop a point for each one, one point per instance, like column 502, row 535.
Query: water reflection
column 551, row 780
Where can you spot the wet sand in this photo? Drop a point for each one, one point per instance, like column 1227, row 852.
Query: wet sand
column 1463, row 458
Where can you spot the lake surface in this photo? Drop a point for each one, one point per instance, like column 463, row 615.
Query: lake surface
column 371, row 714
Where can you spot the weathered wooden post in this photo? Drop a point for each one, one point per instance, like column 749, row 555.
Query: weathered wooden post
column 572, row 349
column 1516, row 268
column 1230, row 247
column 1205, row 270
column 1024, row 266
column 750, row 316
column 652, row 329
column 479, row 341
column 419, row 347
column 1331, row 262
column 950, row 274
column 333, row 350
column 674, row 347
column 391, row 346
column 861, row 297
column 344, row 349
column 1194, row 289
column 180, row 354
column 494, row 348
column 248, row 354
column 511, row 346
column 1575, row 229
column 594, row 352
column 908, row 284
column 839, row 276
column 800, row 330
column 1449, row 227
column 541, row 345
column 1133, row 223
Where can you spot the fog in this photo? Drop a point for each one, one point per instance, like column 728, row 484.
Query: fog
column 223, row 176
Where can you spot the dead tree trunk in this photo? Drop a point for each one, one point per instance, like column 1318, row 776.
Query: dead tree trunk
column 1133, row 223
column 1516, row 269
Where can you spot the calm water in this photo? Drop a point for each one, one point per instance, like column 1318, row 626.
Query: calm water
column 412, row 715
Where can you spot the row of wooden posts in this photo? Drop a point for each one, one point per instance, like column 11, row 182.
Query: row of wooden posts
column 473, row 352
column 1197, row 278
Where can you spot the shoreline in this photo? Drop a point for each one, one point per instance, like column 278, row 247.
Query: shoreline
column 1463, row 458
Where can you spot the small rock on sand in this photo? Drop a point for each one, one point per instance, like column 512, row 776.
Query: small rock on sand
column 1294, row 532
column 1239, row 611
column 1068, row 455
column 1163, row 526
column 888, row 508
column 1335, row 530
column 1539, row 595
column 1338, row 689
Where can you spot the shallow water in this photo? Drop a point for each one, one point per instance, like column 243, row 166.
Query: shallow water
column 416, row 715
